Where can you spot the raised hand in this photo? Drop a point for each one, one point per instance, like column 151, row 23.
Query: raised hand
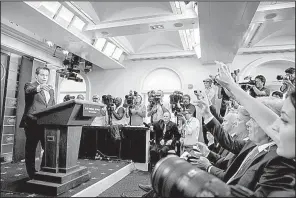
column 203, row 163
column 45, row 87
column 224, row 77
column 203, row 148
column 204, row 107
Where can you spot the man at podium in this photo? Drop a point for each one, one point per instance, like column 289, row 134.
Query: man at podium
column 38, row 95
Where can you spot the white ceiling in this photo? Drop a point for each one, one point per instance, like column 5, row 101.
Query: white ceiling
column 224, row 27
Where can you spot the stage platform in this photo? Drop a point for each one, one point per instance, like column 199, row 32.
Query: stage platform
column 104, row 174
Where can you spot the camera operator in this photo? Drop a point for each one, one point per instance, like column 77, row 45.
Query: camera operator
column 136, row 112
column 259, row 89
column 80, row 97
column 100, row 120
column 156, row 109
column 209, row 90
column 288, row 81
column 68, row 97
column 187, row 105
column 118, row 113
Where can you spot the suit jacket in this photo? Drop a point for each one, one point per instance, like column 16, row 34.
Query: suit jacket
column 34, row 101
column 216, row 157
column 278, row 179
column 252, row 174
column 170, row 133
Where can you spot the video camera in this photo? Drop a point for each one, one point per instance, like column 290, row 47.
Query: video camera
column 154, row 97
column 176, row 97
column 109, row 101
column 175, row 177
column 281, row 77
column 131, row 98
column 248, row 84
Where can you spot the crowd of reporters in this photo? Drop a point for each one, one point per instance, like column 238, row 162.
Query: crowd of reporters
column 247, row 141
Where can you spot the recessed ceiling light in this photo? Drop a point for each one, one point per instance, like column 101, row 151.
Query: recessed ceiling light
column 270, row 16
column 154, row 27
column 178, row 24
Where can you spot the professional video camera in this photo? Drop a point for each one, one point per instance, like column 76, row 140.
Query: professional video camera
column 71, row 76
column 73, row 66
column 176, row 97
column 131, row 98
column 109, row 101
column 281, row 77
column 154, row 97
column 248, row 84
column 175, row 177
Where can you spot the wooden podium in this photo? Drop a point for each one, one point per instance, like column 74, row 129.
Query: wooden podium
column 63, row 125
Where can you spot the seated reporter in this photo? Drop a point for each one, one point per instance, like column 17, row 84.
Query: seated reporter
column 252, row 155
column 229, row 125
column 137, row 113
column 166, row 134
column 238, row 132
column 279, row 177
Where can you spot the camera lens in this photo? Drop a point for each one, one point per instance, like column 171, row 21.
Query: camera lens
column 175, row 177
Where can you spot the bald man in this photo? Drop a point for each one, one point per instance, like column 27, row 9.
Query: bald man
column 166, row 134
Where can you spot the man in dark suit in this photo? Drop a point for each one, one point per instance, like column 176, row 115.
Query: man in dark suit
column 38, row 95
column 252, row 155
column 166, row 134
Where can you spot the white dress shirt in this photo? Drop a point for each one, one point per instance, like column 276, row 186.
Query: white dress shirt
column 191, row 128
column 46, row 93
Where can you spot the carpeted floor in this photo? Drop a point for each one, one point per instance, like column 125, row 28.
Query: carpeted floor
column 128, row 185
column 14, row 177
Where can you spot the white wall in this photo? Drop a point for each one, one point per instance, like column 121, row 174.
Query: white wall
column 118, row 82
column 248, row 63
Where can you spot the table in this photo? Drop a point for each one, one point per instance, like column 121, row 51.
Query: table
column 134, row 145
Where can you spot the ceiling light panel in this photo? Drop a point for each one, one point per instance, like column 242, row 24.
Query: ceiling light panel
column 100, row 43
column 66, row 14
column 117, row 53
column 49, row 8
column 78, row 23
column 109, row 49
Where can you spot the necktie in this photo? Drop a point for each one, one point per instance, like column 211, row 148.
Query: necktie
column 164, row 129
column 245, row 164
column 47, row 96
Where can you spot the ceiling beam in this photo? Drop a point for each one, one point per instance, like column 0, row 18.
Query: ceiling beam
column 154, row 20
column 161, row 55
column 140, row 26
column 277, row 6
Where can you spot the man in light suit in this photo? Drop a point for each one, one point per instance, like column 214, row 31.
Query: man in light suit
column 38, row 95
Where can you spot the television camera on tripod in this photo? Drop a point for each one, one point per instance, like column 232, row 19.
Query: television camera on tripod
column 110, row 102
